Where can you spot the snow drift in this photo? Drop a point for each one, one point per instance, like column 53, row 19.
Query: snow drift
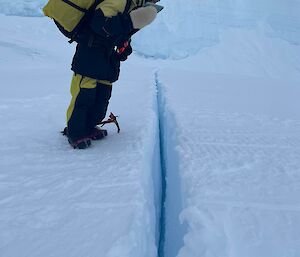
column 187, row 26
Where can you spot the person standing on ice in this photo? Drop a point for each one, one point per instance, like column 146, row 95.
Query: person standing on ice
column 102, row 45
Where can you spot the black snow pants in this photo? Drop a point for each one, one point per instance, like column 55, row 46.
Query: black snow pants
column 90, row 99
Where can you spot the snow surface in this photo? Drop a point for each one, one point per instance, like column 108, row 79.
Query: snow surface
column 221, row 127
column 238, row 145
column 22, row 7
column 55, row 201
column 187, row 26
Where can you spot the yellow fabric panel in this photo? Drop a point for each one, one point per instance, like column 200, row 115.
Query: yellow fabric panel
column 87, row 82
column 78, row 82
column 66, row 15
column 75, row 89
column 112, row 7
column 105, row 82
column 92, row 83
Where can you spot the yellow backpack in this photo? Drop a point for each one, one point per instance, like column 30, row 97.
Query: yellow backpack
column 70, row 16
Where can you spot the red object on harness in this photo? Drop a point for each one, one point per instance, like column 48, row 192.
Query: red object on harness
column 122, row 49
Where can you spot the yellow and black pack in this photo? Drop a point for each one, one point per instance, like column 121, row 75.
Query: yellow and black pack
column 70, row 16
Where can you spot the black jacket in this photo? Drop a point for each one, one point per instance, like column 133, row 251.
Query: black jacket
column 97, row 60
column 95, row 55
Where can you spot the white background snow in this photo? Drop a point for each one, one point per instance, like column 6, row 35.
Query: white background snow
column 214, row 113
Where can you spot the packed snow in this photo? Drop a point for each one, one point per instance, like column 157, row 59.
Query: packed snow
column 55, row 201
column 207, row 162
column 238, row 145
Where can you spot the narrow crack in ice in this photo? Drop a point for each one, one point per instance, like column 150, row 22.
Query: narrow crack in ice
column 171, row 231
column 162, row 224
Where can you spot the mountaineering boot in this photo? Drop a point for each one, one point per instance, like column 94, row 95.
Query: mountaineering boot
column 98, row 133
column 81, row 143
column 65, row 132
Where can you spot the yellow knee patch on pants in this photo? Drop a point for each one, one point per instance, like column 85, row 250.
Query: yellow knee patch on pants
column 77, row 83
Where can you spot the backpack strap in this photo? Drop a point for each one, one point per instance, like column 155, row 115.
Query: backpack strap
column 127, row 7
column 75, row 6
column 88, row 14
column 93, row 8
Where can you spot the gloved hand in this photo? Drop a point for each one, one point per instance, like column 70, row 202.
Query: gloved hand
column 124, row 51
column 122, row 24
column 112, row 27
